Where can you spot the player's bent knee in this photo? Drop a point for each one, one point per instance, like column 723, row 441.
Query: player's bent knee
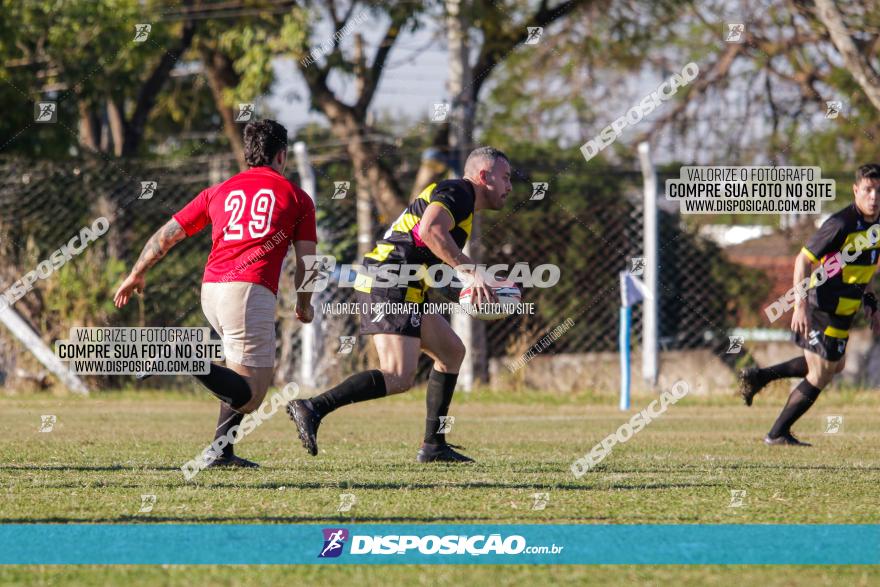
column 456, row 357
column 825, row 378
column 256, row 400
column 398, row 381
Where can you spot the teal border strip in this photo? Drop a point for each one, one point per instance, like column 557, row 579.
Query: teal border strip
column 755, row 544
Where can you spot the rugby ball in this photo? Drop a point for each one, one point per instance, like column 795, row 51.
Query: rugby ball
column 509, row 297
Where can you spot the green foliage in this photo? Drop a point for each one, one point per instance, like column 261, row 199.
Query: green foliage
column 72, row 52
column 80, row 292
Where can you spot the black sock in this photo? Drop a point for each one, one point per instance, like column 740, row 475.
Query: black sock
column 227, row 386
column 359, row 387
column 800, row 400
column 441, row 386
column 225, row 422
column 796, row 367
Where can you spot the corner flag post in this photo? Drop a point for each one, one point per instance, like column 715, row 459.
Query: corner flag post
column 632, row 291
column 623, row 340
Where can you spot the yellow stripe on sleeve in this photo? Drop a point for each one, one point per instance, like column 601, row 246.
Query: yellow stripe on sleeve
column 809, row 255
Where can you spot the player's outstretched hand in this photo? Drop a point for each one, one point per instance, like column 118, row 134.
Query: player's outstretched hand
column 799, row 320
column 133, row 283
column 304, row 314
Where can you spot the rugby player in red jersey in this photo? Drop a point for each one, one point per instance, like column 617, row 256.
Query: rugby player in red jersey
column 254, row 216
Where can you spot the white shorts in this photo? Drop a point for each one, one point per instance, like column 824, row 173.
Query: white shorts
column 243, row 314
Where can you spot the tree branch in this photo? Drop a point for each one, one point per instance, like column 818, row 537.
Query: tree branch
column 371, row 79
column 221, row 77
column 857, row 65
column 146, row 100
column 493, row 52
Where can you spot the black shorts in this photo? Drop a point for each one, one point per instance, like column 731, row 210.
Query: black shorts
column 830, row 348
column 387, row 311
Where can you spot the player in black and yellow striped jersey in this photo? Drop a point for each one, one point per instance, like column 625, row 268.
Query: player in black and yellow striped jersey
column 846, row 246
column 402, row 244
column 432, row 229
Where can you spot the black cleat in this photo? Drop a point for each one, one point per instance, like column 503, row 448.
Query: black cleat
column 748, row 386
column 784, row 440
column 307, row 422
column 232, row 462
column 441, row 453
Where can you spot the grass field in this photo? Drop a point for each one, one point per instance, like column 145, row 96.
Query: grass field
column 105, row 451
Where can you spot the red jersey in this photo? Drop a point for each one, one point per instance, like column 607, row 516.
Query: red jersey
column 255, row 216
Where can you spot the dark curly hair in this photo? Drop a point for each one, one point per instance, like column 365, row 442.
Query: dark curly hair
column 262, row 141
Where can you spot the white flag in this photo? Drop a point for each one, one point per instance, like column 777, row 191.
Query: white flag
column 632, row 289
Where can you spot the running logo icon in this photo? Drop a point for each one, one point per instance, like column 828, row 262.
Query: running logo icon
column 540, row 500
column 45, row 112
column 539, row 190
column 446, row 423
column 833, row 424
column 334, row 540
column 148, row 189
column 638, row 266
column 340, row 189
column 535, row 33
column 735, row 32
column 440, row 112
column 346, row 502
column 142, row 32
column 833, row 108
column 245, row 112
column 318, row 270
column 737, row 498
column 148, row 500
column 346, row 345
column 735, row 344
column 47, row 422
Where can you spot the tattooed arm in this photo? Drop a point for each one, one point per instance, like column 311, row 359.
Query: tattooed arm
column 159, row 244
column 156, row 248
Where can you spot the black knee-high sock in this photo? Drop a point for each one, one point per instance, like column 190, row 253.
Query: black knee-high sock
column 800, row 400
column 441, row 386
column 225, row 422
column 227, row 386
column 796, row 367
column 360, row 387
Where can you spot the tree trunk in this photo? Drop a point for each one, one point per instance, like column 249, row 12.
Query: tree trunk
column 366, row 157
column 857, row 65
column 89, row 128
column 222, row 77
column 117, row 126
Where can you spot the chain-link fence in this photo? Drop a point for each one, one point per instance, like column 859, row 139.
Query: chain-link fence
column 590, row 226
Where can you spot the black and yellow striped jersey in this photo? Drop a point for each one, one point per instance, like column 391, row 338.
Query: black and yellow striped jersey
column 848, row 274
column 402, row 242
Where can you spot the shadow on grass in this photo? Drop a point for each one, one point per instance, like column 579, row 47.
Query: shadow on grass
column 209, row 485
column 86, row 468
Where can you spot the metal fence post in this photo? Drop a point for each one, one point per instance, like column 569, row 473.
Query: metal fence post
column 649, row 239
column 310, row 343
